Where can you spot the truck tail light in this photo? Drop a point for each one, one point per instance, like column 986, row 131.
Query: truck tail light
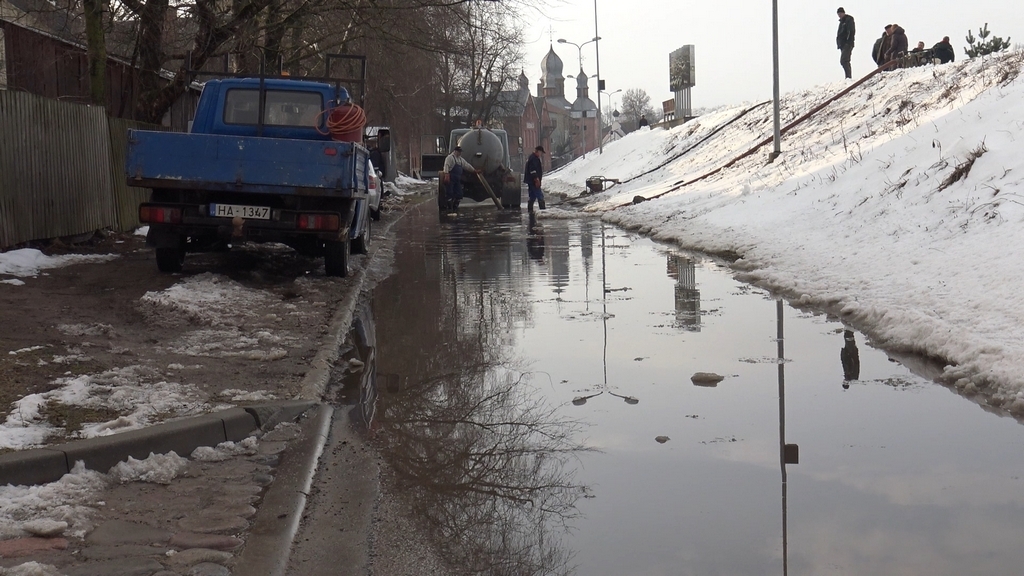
column 318, row 222
column 159, row 215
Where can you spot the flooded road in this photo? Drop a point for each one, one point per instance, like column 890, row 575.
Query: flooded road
column 538, row 403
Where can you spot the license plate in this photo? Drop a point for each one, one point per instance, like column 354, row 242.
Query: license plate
column 232, row 210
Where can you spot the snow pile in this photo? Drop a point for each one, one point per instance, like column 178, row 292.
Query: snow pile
column 225, row 450
column 238, row 395
column 206, row 299
column 29, row 262
column 68, row 506
column 31, row 568
column 406, row 184
column 72, row 499
column 157, row 469
column 898, row 206
column 133, row 391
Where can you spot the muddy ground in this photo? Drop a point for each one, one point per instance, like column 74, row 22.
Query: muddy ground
column 244, row 329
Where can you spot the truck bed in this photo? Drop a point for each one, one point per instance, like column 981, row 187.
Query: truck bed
column 246, row 164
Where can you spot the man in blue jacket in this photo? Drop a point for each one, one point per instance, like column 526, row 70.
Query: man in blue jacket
column 844, row 40
column 532, row 176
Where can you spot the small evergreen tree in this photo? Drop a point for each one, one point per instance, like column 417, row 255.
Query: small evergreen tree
column 983, row 45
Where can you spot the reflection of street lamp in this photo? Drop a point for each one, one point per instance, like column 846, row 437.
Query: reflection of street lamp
column 581, row 400
column 788, row 453
column 579, row 48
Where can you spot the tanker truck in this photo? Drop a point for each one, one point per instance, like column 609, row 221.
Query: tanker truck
column 487, row 151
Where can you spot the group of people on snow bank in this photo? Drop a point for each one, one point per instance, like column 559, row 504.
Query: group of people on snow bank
column 892, row 46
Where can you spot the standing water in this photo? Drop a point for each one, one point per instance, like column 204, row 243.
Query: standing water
column 565, row 397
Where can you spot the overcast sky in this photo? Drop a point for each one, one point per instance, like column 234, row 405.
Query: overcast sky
column 733, row 40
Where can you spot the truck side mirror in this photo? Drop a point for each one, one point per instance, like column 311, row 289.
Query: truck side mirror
column 384, row 143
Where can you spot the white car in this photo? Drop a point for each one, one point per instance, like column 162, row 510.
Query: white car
column 366, row 210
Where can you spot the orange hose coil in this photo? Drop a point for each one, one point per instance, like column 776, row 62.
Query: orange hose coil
column 343, row 121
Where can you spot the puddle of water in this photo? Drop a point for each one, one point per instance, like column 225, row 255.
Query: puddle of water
column 509, row 344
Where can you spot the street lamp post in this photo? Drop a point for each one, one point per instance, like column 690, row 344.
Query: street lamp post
column 597, row 57
column 579, row 55
column 579, row 48
column 611, row 101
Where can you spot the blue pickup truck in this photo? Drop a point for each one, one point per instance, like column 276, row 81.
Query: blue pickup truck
column 259, row 163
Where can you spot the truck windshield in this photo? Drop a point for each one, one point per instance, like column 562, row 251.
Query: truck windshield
column 283, row 107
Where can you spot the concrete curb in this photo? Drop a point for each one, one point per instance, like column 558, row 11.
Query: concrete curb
column 268, row 548
column 44, row 465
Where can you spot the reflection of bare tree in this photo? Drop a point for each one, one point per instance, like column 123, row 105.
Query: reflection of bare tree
column 480, row 456
column 484, row 461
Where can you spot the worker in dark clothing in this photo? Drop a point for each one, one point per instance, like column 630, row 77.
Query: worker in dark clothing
column 883, row 48
column 532, row 176
column 643, row 123
column 944, row 51
column 876, row 50
column 898, row 48
column 844, row 40
column 451, row 175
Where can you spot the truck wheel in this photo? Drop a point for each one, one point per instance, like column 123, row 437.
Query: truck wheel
column 361, row 245
column 336, row 258
column 170, row 259
column 442, row 201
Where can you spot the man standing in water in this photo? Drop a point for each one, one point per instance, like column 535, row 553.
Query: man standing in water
column 451, row 175
column 532, row 176
column 844, row 40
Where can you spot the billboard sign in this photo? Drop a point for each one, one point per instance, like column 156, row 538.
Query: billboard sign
column 681, row 73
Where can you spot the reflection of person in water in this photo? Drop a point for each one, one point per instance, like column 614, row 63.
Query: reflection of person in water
column 535, row 239
column 850, row 358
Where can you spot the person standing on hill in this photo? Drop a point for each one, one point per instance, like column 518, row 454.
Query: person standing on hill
column 899, row 45
column 844, row 40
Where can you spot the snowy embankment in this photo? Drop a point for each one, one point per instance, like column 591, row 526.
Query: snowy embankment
column 899, row 207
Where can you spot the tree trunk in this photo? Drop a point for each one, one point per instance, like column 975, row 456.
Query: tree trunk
column 151, row 33
column 97, row 51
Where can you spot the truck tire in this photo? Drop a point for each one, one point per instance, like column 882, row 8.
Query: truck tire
column 361, row 245
column 170, row 259
column 336, row 258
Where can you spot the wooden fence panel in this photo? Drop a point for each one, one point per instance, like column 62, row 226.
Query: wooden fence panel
column 55, row 163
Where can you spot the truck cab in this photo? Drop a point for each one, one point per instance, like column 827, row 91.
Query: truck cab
column 291, row 109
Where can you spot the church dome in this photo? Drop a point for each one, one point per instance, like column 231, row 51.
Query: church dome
column 551, row 67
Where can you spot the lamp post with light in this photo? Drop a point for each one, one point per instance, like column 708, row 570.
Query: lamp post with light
column 611, row 102
column 579, row 48
column 579, row 55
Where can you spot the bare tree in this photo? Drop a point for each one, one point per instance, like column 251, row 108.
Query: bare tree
column 635, row 103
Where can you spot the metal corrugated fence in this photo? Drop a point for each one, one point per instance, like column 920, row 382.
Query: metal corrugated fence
column 61, row 170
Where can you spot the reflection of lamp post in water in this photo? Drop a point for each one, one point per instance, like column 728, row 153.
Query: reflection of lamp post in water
column 581, row 400
column 788, row 453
